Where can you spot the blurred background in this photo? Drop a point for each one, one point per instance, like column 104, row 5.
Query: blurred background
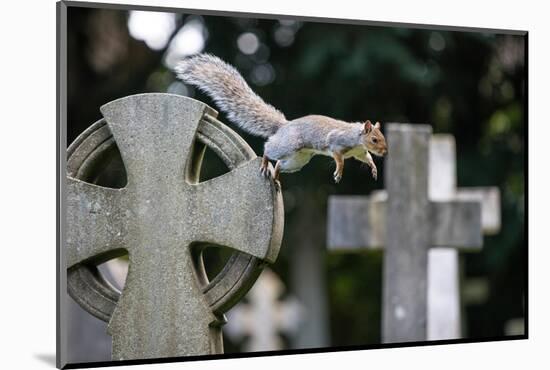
column 468, row 84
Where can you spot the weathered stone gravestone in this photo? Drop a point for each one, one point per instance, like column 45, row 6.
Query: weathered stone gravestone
column 407, row 223
column 265, row 316
column 163, row 218
column 307, row 275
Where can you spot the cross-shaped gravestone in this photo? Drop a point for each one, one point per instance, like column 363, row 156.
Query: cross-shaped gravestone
column 264, row 317
column 161, row 218
column 444, row 305
column 407, row 223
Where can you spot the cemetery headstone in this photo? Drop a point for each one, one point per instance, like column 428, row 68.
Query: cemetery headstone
column 444, row 293
column 162, row 218
column 308, row 276
column 407, row 223
column 265, row 316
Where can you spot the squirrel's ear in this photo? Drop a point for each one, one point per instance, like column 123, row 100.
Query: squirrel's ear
column 367, row 127
column 377, row 125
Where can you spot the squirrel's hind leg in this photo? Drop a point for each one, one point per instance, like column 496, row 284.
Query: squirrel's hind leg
column 277, row 171
column 264, row 169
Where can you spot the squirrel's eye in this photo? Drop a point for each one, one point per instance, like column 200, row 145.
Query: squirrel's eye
column 374, row 140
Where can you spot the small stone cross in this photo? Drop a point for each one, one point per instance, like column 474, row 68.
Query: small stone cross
column 157, row 218
column 264, row 317
column 407, row 223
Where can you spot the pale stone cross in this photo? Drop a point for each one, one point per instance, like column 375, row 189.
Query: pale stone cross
column 407, row 223
column 265, row 316
column 161, row 217
column 444, row 304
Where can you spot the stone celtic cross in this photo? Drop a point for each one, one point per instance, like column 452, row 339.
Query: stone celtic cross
column 407, row 223
column 162, row 218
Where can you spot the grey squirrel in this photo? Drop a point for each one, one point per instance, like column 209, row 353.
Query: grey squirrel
column 291, row 143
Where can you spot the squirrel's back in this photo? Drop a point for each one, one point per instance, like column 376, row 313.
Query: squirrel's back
column 231, row 93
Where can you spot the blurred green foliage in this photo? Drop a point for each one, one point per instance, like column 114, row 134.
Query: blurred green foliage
column 469, row 84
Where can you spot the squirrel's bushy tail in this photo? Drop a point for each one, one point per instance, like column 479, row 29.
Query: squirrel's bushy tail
column 231, row 93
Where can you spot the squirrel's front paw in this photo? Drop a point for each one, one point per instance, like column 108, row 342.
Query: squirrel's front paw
column 337, row 177
column 374, row 172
